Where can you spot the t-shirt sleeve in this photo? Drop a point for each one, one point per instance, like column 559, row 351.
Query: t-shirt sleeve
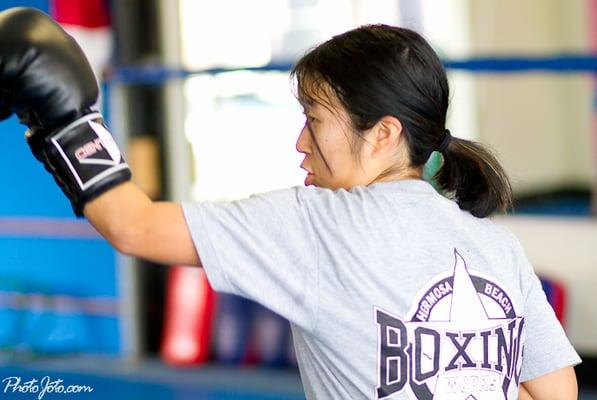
column 261, row 248
column 546, row 347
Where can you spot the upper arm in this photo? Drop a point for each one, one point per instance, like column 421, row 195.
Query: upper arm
column 137, row 226
column 557, row 385
column 262, row 248
column 546, row 346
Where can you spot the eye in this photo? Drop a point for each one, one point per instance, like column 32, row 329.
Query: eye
column 309, row 118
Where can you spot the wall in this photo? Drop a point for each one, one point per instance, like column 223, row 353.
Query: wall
column 539, row 124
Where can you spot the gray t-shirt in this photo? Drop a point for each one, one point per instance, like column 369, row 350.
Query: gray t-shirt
column 391, row 290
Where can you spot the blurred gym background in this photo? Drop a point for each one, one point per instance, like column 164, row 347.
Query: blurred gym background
column 198, row 96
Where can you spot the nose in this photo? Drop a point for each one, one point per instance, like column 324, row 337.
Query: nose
column 303, row 143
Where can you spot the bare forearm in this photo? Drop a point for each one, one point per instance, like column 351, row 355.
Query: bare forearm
column 137, row 226
column 117, row 210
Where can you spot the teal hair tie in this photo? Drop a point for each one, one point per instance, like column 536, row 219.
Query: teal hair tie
column 432, row 167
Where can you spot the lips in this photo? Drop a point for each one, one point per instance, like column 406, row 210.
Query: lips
column 310, row 177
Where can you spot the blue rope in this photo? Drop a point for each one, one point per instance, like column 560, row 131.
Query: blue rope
column 156, row 74
column 565, row 63
column 557, row 64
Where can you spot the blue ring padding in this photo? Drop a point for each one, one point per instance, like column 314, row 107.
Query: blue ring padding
column 559, row 64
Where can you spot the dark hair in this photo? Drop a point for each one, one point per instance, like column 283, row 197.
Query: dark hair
column 380, row 70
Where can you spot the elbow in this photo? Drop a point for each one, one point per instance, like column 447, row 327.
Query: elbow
column 126, row 237
column 122, row 242
column 125, row 241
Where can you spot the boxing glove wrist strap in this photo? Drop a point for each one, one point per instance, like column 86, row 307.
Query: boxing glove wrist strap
column 83, row 158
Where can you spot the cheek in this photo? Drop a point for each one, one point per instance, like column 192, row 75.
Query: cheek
column 338, row 156
column 330, row 140
column 337, row 146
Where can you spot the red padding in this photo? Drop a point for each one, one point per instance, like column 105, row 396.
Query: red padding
column 559, row 301
column 188, row 318
column 84, row 13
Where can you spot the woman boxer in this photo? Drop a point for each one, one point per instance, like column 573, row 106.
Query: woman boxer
column 392, row 290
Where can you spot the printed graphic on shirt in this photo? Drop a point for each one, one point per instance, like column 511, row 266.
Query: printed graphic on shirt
column 462, row 340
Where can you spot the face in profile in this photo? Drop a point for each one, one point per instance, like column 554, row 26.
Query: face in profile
column 327, row 141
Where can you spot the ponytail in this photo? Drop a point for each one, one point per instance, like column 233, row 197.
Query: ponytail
column 474, row 178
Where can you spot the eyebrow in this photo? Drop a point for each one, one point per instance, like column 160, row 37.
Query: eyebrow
column 312, row 106
column 307, row 104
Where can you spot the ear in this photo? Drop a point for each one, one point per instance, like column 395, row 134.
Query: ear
column 385, row 136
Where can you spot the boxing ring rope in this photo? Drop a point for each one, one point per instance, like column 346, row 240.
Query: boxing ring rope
column 558, row 64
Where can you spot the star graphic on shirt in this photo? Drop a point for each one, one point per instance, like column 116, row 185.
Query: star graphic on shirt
column 465, row 377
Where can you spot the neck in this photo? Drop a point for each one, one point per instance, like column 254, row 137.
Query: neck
column 396, row 174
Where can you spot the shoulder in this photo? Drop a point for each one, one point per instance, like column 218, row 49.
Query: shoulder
column 508, row 237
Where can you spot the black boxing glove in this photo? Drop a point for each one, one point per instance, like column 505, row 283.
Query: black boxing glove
column 47, row 81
